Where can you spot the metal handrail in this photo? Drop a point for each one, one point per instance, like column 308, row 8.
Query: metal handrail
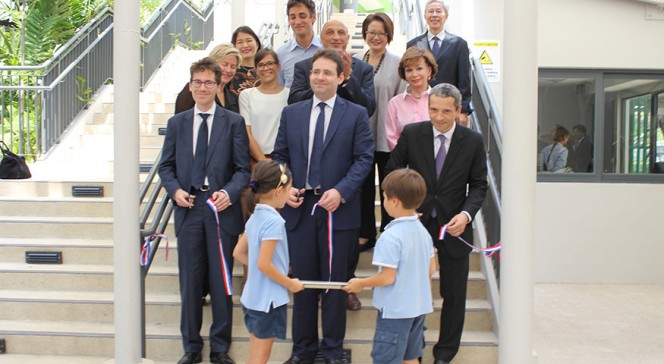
column 50, row 95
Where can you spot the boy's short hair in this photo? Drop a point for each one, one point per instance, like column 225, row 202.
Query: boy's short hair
column 407, row 186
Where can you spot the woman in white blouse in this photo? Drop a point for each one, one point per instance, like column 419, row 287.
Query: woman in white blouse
column 261, row 106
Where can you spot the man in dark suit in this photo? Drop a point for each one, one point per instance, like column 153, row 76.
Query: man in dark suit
column 357, row 87
column 452, row 160
column 450, row 51
column 581, row 152
column 205, row 156
column 358, row 83
column 327, row 143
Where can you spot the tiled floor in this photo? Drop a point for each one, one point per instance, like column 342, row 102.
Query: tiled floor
column 599, row 324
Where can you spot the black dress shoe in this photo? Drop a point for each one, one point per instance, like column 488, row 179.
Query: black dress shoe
column 190, row 358
column 441, row 361
column 297, row 360
column 221, row 358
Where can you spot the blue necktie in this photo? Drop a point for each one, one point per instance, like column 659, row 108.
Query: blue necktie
column 317, row 149
column 198, row 177
column 436, row 47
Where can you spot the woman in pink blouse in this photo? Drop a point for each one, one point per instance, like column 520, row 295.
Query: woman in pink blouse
column 417, row 67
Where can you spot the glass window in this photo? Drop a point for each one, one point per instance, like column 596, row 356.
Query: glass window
column 566, row 114
column 633, row 139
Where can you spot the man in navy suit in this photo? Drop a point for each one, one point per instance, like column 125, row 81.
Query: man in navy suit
column 452, row 160
column 328, row 146
column 358, row 83
column 357, row 87
column 205, row 156
column 451, row 53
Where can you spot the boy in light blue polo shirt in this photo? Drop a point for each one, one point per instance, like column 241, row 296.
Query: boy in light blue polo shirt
column 405, row 258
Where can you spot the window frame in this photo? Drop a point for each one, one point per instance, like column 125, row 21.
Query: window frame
column 599, row 76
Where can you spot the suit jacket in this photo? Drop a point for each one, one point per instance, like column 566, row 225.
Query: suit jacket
column 359, row 88
column 227, row 162
column 461, row 186
column 453, row 64
column 347, row 156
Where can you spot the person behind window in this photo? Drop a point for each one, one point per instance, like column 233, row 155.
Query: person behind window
column 581, row 152
column 553, row 158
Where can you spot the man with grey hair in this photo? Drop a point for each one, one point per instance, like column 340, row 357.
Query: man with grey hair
column 450, row 51
column 452, row 160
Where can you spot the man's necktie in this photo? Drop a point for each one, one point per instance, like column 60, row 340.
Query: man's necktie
column 440, row 161
column 440, row 156
column 198, row 177
column 436, row 47
column 317, row 149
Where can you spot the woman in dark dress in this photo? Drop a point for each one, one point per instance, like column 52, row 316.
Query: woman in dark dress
column 247, row 42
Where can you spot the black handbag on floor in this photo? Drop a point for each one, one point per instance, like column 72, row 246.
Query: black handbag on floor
column 12, row 166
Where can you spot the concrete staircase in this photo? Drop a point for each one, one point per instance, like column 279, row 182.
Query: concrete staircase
column 63, row 313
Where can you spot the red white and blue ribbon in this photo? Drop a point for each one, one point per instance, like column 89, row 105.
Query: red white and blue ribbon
column 489, row 252
column 225, row 270
column 147, row 248
column 330, row 246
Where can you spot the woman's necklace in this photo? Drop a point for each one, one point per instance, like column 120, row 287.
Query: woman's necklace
column 382, row 57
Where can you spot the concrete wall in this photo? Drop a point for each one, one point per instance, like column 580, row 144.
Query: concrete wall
column 599, row 232
column 599, row 34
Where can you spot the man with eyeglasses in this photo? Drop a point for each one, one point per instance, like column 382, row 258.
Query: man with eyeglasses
column 358, row 83
column 450, row 51
column 326, row 141
column 205, row 158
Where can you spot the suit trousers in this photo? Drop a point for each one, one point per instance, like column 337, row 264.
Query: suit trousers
column 198, row 259
column 308, row 247
column 453, row 289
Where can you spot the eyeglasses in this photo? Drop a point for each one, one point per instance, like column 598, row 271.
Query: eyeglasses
column 435, row 11
column 268, row 64
column 199, row 83
column 376, row 34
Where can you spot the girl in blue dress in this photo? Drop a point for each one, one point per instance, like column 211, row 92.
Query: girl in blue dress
column 263, row 248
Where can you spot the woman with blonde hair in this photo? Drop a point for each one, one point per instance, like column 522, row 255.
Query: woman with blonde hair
column 228, row 58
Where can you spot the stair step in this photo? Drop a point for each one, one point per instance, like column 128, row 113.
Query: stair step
column 61, row 227
column 164, row 308
column 164, row 343
column 81, row 277
column 77, row 251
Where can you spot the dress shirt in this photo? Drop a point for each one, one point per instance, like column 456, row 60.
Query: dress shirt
column 448, row 140
column 440, row 36
column 197, row 125
column 315, row 111
column 290, row 53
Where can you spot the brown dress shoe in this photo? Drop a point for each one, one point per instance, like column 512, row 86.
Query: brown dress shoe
column 352, row 302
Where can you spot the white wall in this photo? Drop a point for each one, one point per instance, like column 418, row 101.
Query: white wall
column 599, row 233
column 591, row 232
column 599, row 34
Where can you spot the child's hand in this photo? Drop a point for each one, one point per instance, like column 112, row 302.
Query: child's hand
column 354, row 286
column 295, row 285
